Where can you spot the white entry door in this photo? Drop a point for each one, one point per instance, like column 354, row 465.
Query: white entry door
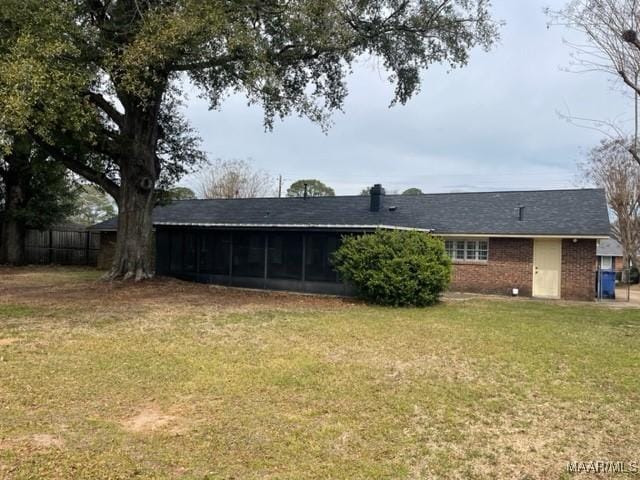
column 547, row 262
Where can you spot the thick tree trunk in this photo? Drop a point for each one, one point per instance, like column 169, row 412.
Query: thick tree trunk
column 13, row 230
column 139, row 170
column 12, row 243
column 132, row 259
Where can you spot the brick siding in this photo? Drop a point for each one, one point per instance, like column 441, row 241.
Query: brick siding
column 578, row 273
column 510, row 265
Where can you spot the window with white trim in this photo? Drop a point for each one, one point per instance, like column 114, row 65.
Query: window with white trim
column 467, row 250
column 606, row 263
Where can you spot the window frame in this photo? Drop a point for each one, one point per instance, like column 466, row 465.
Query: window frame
column 459, row 250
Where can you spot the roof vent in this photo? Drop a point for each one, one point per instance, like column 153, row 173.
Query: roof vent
column 520, row 213
column 393, row 208
column 375, row 199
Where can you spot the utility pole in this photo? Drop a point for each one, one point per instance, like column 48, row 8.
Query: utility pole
column 279, row 186
column 635, row 139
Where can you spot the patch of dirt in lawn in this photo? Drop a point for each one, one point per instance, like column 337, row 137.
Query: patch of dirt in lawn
column 35, row 441
column 64, row 289
column 150, row 419
column 7, row 341
column 45, row 440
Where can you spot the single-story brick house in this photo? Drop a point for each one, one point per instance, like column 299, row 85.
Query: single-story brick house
column 610, row 256
column 542, row 243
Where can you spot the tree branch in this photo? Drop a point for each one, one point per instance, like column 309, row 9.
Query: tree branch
column 627, row 80
column 104, row 105
column 634, row 154
column 81, row 169
column 213, row 62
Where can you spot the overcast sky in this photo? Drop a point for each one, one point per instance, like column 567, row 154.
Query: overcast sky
column 493, row 125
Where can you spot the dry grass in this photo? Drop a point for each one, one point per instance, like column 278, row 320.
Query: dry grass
column 176, row 380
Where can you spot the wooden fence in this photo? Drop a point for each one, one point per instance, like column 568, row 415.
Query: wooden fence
column 62, row 247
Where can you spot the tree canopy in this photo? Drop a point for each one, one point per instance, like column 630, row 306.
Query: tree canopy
column 35, row 192
column 92, row 206
column 99, row 83
column 412, row 191
column 313, row 187
column 164, row 197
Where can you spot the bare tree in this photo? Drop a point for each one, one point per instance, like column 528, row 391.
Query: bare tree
column 235, row 179
column 610, row 166
column 612, row 45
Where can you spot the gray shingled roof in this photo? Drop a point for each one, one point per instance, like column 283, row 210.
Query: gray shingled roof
column 609, row 248
column 546, row 212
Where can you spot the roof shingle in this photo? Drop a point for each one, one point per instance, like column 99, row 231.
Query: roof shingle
column 580, row 212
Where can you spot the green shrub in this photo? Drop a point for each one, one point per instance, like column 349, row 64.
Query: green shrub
column 395, row 267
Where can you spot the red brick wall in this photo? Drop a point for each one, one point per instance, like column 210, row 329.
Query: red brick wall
column 510, row 265
column 578, row 273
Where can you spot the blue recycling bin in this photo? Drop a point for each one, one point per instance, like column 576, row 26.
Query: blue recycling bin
column 607, row 284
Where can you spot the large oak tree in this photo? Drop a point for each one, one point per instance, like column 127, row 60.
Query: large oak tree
column 97, row 80
column 35, row 192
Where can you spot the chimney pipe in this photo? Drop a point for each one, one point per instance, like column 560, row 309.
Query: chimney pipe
column 305, row 191
column 375, row 198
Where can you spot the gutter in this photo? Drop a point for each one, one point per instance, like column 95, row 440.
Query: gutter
column 292, row 226
column 523, row 235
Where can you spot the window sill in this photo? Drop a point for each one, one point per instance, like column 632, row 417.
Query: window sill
column 469, row 262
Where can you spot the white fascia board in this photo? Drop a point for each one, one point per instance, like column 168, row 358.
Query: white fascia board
column 289, row 225
column 501, row 235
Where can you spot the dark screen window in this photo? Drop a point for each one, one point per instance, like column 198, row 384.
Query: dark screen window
column 176, row 251
column 214, row 252
column 163, row 251
column 319, row 248
column 248, row 254
column 190, row 247
column 284, row 258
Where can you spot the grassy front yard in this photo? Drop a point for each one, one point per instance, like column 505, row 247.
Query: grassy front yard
column 176, row 380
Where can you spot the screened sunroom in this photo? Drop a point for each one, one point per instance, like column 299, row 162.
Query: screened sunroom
column 275, row 259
